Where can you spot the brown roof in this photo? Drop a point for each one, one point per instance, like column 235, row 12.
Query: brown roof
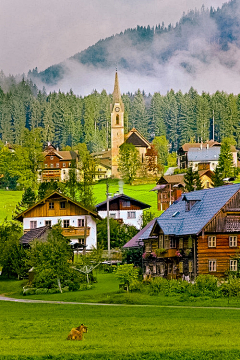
column 105, row 154
column 210, row 143
column 63, row 155
column 136, row 138
column 34, row 234
column 179, row 178
column 105, row 162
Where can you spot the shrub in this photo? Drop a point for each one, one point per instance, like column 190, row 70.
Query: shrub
column 29, row 291
column 206, row 283
column 136, row 285
column 41, row 291
column 157, row 285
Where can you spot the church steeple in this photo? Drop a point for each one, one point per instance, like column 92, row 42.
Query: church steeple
column 117, row 126
column 116, row 91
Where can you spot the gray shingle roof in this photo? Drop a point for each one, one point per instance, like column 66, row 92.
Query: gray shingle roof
column 142, row 234
column 176, row 221
column 211, row 154
column 34, row 234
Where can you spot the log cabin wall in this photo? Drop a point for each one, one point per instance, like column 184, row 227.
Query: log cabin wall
column 222, row 253
column 44, row 210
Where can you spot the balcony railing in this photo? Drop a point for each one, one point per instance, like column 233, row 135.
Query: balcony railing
column 75, row 231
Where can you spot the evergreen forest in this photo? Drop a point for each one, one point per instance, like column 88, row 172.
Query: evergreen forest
column 66, row 119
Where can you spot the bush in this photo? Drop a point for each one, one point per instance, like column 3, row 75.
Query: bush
column 41, row 291
column 206, row 283
column 29, row 291
column 136, row 285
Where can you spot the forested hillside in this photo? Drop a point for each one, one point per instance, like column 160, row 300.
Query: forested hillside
column 66, row 119
column 202, row 50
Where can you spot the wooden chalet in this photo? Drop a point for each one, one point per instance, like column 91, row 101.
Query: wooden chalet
column 124, row 209
column 198, row 234
column 170, row 187
column 78, row 222
column 56, row 164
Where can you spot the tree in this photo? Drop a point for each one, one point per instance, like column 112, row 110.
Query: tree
column 86, row 166
column 120, row 234
column 225, row 162
column 127, row 273
column 51, row 259
column 217, row 178
column 128, row 162
column 161, row 145
column 12, row 255
column 28, row 199
column 192, row 180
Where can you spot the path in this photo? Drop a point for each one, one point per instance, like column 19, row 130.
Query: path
column 5, row 298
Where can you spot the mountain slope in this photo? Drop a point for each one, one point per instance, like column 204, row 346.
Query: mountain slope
column 202, row 43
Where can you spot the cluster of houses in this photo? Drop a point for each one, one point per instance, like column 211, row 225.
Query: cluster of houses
column 198, row 232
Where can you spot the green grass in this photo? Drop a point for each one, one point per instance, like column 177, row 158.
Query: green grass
column 8, row 201
column 39, row 331
column 140, row 192
column 106, row 291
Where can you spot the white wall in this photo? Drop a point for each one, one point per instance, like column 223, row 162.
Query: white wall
column 122, row 214
column 91, row 240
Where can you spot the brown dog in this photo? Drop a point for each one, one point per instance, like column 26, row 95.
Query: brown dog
column 77, row 333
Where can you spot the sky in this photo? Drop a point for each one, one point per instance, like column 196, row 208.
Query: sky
column 41, row 33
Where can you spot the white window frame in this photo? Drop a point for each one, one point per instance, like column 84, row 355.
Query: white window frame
column 131, row 214
column 233, row 265
column 51, row 157
column 57, row 165
column 64, row 164
column 33, row 224
column 112, row 215
column 48, row 222
column 65, row 222
column 212, row 265
column 233, row 241
column 80, row 222
column 212, row 241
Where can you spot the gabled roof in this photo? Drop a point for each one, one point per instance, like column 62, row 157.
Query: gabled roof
column 210, row 143
column 136, row 241
column 125, row 198
column 34, row 234
column 136, row 138
column 22, row 214
column 204, row 155
column 63, row 155
column 176, row 221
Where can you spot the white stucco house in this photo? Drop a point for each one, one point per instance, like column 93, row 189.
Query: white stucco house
column 78, row 222
column 124, row 209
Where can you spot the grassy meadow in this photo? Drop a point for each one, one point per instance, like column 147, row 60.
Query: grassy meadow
column 9, row 199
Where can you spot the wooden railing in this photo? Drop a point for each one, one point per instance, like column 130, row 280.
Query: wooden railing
column 75, row 231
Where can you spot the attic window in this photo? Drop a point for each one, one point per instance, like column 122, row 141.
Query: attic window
column 189, row 204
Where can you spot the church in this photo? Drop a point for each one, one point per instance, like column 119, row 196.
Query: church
column 118, row 137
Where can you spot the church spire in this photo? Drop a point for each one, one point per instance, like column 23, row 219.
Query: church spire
column 116, row 91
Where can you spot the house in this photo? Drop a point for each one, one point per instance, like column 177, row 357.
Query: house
column 198, row 234
column 78, row 222
column 202, row 156
column 124, row 209
column 103, row 165
column 170, row 187
column 57, row 164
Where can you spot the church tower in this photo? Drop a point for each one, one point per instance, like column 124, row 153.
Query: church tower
column 117, row 126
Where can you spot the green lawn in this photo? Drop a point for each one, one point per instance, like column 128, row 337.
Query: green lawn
column 39, row 331
column 139, row 192
column 8, row 201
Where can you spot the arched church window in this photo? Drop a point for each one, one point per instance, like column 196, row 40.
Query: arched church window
column 117, row 119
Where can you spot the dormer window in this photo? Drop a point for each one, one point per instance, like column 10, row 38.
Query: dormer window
column 189, row 204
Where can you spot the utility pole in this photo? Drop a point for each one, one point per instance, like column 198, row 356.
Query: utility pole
column 108, row 224
column 213, row 125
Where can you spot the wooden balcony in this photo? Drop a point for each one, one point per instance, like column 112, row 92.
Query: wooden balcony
column 170, row 253
column 51, row 174
column 75, row 232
